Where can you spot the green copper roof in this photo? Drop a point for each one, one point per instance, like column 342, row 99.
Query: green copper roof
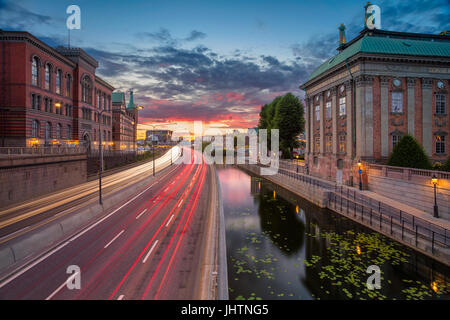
column 118, row 97
column 385, row 45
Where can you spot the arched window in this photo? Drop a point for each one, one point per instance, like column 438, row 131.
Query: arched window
column 48, row 72
column 59, row 81
column 35, row 71
column 48, row 132
column 69, row 86
column 86, row 90
column 69, row 131
column 35, row 129
column 58, row 131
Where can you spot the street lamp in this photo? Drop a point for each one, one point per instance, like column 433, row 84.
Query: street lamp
column 360, row 174
column 434, row 180
column 100, row 144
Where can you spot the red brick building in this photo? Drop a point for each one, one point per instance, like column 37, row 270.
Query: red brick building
column 380, row 86
column 125, row 120
column 51, row 96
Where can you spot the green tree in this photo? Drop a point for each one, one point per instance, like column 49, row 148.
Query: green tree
column 409, row 153
column 446, row 166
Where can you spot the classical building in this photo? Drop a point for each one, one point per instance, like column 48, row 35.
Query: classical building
column 380, row 86
column 125, row 120
column 51, row 96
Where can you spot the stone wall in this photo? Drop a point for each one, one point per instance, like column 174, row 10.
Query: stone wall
column 25, row 177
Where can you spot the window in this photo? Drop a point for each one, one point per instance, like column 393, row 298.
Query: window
column 109, row 135
column 342, row 143
column 86, row 90
column 69, row 131
column 48, row 72
column 440, row 144
column 33, row 101
column 440, row 103
column 395, row 139
column 104, row 103
column 328, row 110
column 46, row 107
column 35, row 129
column 98, row 100
column 317, row 144
column 342, row 107
column 329, row 144
column 317, row 113
column 69, row 86
column 58, row 131
column 35, row 71
column 59, row 82
column 48, row 132
column 397, row 102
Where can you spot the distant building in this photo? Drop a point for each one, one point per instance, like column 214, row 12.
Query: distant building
column 380, row 86
column 125, row 120
column 159, row 136
column 50, row 96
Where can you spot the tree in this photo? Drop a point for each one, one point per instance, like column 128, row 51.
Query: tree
column 409, row 153
column 446, row 166
column 285, row 113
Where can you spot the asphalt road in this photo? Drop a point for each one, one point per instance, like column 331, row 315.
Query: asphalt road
column 150, row 247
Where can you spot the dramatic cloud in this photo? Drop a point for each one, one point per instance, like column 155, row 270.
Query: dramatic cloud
column 14, row 16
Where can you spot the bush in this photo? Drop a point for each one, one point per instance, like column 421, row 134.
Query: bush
column 446, row 165
column 409, row 153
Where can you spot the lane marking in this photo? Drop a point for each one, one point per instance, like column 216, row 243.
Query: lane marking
column 166, row 189
column 109, row 243
column 179, row 205
column 18, row 274
column 140, row 214
column 120, row 297
column 62, row 286
column 169, row 221
column 148, row 254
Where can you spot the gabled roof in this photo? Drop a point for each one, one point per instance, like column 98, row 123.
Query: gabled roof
column 391, row 43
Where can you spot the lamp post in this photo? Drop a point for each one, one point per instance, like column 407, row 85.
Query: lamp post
column 360, row 174
column 436, row 210
column 100, row 158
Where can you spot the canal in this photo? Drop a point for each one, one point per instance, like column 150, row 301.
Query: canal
column 280, row 246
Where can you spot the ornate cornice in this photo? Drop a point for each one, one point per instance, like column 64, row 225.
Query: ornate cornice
column 427, row 83
column 364, row 80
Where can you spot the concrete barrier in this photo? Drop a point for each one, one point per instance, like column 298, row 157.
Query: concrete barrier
column 21, row 250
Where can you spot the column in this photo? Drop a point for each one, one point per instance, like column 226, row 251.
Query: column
column 359, row 116
column 427, row 116
column 322, row 138
column 334, row 116
column 384, row 83
column 349, row 115
column 411, row 106
column 368, row 116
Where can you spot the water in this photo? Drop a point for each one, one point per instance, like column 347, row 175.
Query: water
column 280, row 246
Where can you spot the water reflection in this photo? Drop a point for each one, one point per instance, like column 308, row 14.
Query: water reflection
column 284, row 247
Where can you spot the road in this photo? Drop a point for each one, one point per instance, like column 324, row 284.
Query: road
column 150, row 247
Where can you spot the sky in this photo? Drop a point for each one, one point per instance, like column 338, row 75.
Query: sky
column 214, row 61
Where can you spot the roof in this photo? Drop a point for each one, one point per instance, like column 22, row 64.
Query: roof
column 118, row 97
column 388, row 45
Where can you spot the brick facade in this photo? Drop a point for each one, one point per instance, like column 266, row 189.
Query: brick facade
column 42, row 100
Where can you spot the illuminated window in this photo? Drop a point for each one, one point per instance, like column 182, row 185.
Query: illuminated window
column 342, row 143
column 329, row 143
column 342, row 107
column 440, row 144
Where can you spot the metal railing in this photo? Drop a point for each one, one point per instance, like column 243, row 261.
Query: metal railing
column 408, row 172
column 14, row 151
column 399, row 223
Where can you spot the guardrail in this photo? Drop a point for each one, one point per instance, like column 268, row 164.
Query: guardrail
column 11, row 151
column 397, row 223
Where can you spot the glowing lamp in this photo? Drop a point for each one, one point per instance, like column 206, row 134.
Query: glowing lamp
column 358, row 249
column 434, row 179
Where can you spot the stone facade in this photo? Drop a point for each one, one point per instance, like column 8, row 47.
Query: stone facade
column 374, row 99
